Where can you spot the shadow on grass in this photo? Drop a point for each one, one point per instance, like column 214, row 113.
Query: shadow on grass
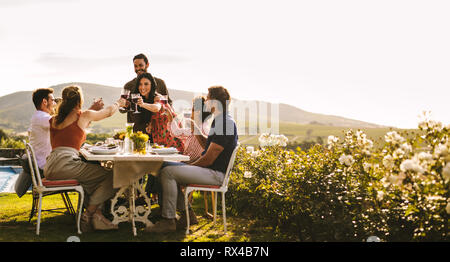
column 57, row 227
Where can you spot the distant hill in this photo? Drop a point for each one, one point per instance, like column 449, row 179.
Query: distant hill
column 16, row 109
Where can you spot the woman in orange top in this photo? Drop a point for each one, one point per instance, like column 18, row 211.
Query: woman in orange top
column 67, row 134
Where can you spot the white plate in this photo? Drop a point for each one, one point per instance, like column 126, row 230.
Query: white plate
column 164, row 151
column 103, row 151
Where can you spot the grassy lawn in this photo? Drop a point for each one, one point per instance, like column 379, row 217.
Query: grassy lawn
column 57, row 227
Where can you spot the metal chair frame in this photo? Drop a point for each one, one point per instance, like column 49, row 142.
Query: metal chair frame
column 222, row 189
column 39, row 191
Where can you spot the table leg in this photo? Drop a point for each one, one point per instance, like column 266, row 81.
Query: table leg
column 120, row 214
column 132, row 213
column 132, row 209
column 142, row 213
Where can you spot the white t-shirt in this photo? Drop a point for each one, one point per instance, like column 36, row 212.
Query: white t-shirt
column 40, row 136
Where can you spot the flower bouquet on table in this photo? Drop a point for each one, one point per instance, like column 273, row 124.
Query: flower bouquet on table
column 120, row 135
column 139, row 140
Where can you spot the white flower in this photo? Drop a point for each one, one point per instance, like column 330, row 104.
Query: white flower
column 332, row 140
column 435, row 125
column 435, row 198
column 398, row 153
column 446, row 172
column 412, row 165
column 272, row 140
column 248, row 174
column 441, row 150
column 406, row 147
column 394, row 138
column 264, row 140
column 367, row 167
column 368, row 144
column 282, row 140
column 426, row 123
column 388, row 162
column 397, row 179
column 380, row 195
column 255, row 154
column 346, row 160
column 425, row 156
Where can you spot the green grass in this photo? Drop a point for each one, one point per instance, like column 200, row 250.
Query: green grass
column 57, row 227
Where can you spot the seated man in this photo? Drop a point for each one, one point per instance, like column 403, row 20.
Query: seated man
column 39, row 130
column 39, row 133
column 209, row 169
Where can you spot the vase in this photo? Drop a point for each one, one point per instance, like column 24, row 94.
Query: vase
column 139, row 148
column 127, row 145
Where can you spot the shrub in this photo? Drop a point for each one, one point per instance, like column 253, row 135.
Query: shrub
column 349, row 190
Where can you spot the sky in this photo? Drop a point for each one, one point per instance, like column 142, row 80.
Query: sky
column 380, row 61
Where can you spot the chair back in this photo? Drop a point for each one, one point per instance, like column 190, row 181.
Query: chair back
column 34, row 168
column 230, row 167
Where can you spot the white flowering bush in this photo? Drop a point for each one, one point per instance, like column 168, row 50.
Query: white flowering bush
column 348, row 190
column 272, row 140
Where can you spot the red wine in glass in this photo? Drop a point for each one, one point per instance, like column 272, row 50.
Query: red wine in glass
column 124, row 94
column 164, row 100
column 134, row 99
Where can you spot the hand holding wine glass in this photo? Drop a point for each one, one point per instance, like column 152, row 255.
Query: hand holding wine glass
column 125, row 93
column 135, row 97
column 122, row 102
column 164, row 101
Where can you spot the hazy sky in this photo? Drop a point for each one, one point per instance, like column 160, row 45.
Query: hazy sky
column 378, row 61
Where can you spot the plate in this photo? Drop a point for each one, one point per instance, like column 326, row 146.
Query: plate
column 165, row 151
column 103, row 151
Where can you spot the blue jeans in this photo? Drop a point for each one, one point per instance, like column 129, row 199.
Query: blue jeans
column 173, row 176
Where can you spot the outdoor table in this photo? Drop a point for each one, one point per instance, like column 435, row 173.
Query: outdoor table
column 127, row 170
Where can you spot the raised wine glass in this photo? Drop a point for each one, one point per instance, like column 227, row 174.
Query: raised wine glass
column 125, row 93
column 135, row 97
column 164, row 99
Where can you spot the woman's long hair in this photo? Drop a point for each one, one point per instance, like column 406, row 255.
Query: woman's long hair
column 151, row 96
column 72, row 96
column 199, row 105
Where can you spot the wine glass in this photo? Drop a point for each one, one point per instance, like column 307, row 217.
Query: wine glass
column 135, row 97
column 125, row 93
column 164, row 99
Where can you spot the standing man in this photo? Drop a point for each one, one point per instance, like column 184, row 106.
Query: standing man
column 141, row 65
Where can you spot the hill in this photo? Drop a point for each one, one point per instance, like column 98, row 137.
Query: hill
column 16, row 110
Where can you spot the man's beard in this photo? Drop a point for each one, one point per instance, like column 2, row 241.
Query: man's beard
column 141, row 71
